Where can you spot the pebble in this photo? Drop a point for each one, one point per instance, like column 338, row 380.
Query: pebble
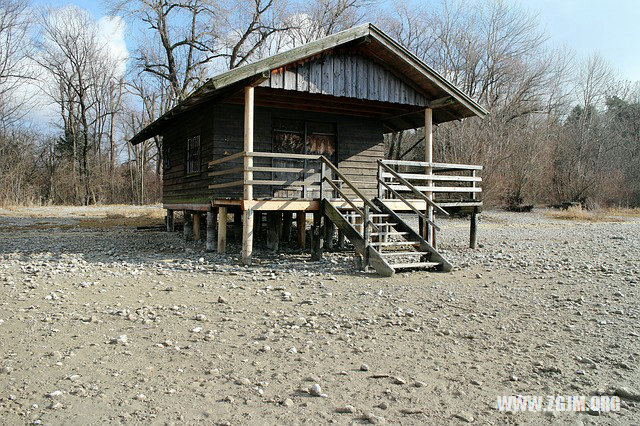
column 465, row 416
column 287, row 402
column 316, row 390
column 364, row 367
column 346, row 409
column 374, row 420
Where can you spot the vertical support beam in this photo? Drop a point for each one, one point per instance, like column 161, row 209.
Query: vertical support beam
column 428, row 157
column 187, row 229
column 341, row 239
column 473, row 226
column 318, row 236
column 473, row 229
column 323, row 174
column 379, row 180
column 272, row 231
column 287, row 219
column 301, row 219
column 330, row 228
column 257, row 223
column 366, row 234
column 247, row 215
column 169, row 220
column 211, row 230
column 196, row 226
column 222, row 230
column 279, row 225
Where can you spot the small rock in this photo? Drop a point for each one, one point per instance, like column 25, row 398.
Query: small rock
column 374, row 420
column 465, row 416
column 316, row 390
column 120, row 340
column 364, row 367
column 201, row 317
column 243, row 381
column 287, row 402
column 399, row 381
column 222, row 299
column 55, row 394
column 346, row 409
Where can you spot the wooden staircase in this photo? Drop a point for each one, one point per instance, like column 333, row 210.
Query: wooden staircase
column 385, row 241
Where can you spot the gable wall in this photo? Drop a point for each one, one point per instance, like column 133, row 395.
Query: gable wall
column 345, row 75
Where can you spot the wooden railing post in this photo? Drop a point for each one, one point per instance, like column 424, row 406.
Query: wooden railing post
column 365, row 234
column 379, row 181
column 428, row 157
column 473, row 225
column 323, row 174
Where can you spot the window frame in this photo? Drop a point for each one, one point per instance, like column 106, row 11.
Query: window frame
column 190, row 156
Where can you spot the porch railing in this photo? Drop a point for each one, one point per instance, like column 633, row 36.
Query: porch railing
column 310, row 180
column 452, row 185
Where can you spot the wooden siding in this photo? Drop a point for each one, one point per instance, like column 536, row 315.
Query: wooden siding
column 359, row 144
column 177, row 186
column 345, row 75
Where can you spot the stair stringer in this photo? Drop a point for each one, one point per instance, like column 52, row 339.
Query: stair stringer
column 381, row 266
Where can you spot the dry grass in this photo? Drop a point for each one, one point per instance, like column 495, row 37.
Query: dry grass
column 67, row 217
column 579, row 214
column 624, row 212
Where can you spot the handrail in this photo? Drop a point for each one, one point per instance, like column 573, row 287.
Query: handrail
column 432, row 165
column 412, row 188
column 411, row 206
column 349, row 184
column 352, row 204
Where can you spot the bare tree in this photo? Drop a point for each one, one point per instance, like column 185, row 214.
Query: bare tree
column 15, row 50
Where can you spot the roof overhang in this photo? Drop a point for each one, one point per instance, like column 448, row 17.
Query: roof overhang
column 449, row 103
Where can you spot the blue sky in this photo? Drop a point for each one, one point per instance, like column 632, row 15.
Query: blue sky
column 610, row 27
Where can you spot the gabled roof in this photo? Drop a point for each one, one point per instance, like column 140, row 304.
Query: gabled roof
column 447, row 98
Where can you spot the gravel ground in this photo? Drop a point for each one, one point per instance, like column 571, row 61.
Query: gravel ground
column 113, row 325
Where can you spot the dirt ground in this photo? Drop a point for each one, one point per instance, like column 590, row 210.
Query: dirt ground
column 102, row 323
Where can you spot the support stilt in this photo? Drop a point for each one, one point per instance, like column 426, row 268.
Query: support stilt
column 211, row 230
column 187, row 229
column 287, row 218
column 317, row 246
column 301, row 219
column 330, row 233
column 222, row 230
column 341, row 239
column 247, row 236
column 169, row 219
column 473, row 229
column 196, row 226
column 272, row 231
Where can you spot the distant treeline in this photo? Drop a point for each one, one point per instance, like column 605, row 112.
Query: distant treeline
column 559, row 128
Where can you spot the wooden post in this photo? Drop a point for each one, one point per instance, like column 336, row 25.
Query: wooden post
column 318, row 237
column 222, row 230
column 257, row 223
column 473, row 226
column 323, row 173
column 428, row 157
column 196, row 226
column 287, row 219
column 301, row 219
column 279, row 225
column 473, row 229
column 169, row 219
column 365, row 234
column 340, row 240
column 247, row 214
column 187, row 229
column 330, row 228
column 272, row 231
column 379, row 181
column 211, row 230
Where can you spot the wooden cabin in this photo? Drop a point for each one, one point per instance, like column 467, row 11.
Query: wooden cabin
column 302, row 132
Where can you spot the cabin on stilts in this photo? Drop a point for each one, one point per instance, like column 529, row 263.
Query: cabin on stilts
column 301, row 132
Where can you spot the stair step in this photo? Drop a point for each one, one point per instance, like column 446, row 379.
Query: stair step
column 414, row 265
column 395, row 243
column 390, row 234
column 386, row 224
column 379, row 215
column 401, row 253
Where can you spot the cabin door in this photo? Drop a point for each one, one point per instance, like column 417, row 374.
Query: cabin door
column 300, row 137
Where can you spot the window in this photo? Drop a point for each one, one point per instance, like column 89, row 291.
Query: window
column 193, row 155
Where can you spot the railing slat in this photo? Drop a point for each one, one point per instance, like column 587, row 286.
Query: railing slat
column 432, row 165
column 444, row 178
column 437, row 188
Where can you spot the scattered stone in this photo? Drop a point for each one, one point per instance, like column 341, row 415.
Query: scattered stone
column 464, row 416
column 346, row 409
column 364, row 367
column 316, row 390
